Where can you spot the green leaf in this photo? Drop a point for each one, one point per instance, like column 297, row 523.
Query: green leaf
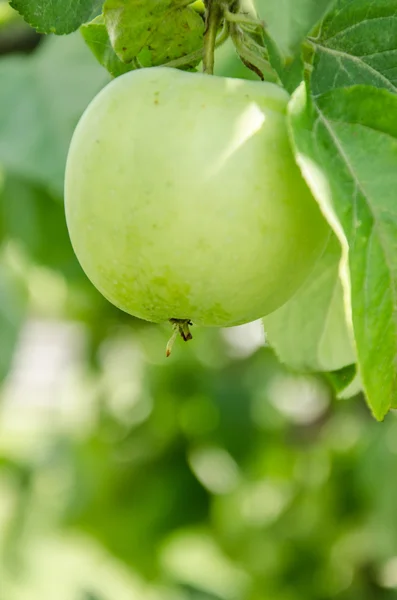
column 2, row 221
column 285, row 30
column 97, row 39
column 346, row 145
column 41, row 100
column 153, row 31
column 36, row 220
column 310, row 332
column 357, row 45
column 12, row 311
column 289, row 21
column 346, row 382
column 290, row 72
column 57, row 16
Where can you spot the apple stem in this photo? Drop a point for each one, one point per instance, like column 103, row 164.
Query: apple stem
column 245, row 20
column 214, row 17
column 180, row 327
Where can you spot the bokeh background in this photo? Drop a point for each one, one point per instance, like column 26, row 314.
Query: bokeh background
column 214, row 475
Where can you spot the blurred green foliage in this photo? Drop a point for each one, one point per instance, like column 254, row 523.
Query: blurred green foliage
column 214, row 475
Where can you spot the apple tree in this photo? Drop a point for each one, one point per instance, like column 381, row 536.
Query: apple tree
column 196, row 198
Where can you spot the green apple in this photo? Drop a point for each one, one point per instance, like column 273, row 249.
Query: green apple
column 183, row 199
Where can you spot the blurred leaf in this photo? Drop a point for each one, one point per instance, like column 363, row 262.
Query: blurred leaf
column 56, row 16
column 311, row 517
column 346, row 145
column 357, row 44
column 69, row 567
column 290, row 21
column 34, row 218
column 346, row 382
column 194, row 559
column 7, row 15
column 310, row 332
column 10, row 541
column 2, row 221
column 91, row 596
column 96, row 37
column 354, row 388
column 41, row 100
column 155, row 32
column 13, row 300
column 143, row 497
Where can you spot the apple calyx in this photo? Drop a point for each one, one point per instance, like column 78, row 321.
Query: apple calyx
column 180, row 327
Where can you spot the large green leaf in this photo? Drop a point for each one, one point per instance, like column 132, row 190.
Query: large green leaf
column 286, row 27
column 346, row 145
column 357, row 45
column 310, row 332
column 154, row 31
column 41, row 99
column 57, row 16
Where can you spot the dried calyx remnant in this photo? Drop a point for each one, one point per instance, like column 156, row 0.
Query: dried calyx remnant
column 180, row 327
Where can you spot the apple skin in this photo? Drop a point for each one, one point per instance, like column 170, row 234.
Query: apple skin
column 183, row 199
